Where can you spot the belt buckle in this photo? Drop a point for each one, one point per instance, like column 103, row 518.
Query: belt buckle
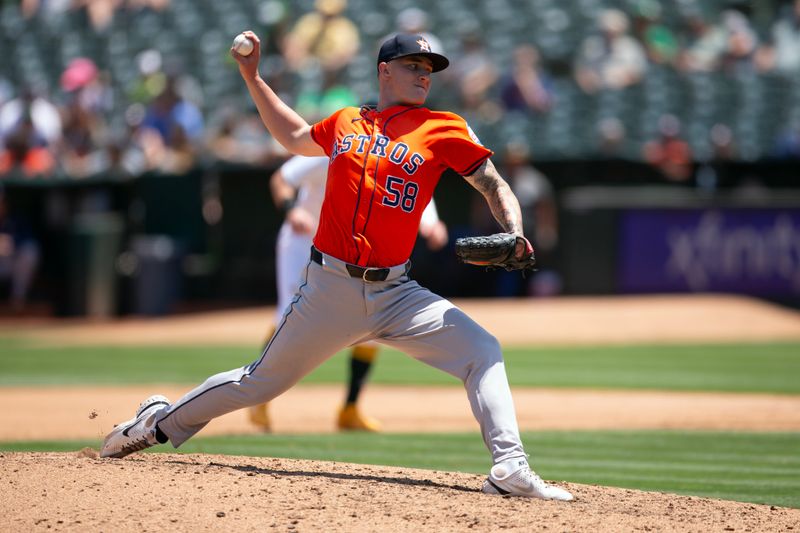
column 364, row 275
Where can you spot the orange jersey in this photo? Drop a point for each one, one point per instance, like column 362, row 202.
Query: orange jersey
column 383, row 169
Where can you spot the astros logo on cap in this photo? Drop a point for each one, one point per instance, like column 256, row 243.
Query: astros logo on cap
column 423, row 45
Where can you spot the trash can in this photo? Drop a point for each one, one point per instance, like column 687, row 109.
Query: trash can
column 94, row 242
column 155, row 273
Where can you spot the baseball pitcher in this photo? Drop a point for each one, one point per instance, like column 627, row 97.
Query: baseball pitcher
column 385, row 162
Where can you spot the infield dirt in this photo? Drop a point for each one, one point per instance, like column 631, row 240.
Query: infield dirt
column 79, row 492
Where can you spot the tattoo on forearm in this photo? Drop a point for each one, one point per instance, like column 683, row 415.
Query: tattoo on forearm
column 501, row 200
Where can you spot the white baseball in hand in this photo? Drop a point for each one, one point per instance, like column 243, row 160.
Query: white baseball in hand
column 243, row 45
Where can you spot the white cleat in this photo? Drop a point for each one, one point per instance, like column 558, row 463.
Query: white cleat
column 136, row 434
column 515, row 478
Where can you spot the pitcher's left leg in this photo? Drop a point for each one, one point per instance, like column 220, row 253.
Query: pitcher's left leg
column 443, row 336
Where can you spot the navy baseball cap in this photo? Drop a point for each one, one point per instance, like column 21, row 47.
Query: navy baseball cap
column 410, row 44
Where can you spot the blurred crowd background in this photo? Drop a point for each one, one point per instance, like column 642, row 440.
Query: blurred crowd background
column 134, row 167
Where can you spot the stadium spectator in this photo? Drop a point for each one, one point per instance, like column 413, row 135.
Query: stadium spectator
column 180, row 125
column 82, row 81
column 669, row 153
column 29, row 8
column 30, row 130
column 611, row 60
column 36, row 113
column 742, row 43
column 83, row 151
column 240, row 138
column 705, row 46
column 612, row 151
column 152, row 80
column 473, row 72
column 324, row 40
column 180, row 153
column 659, row 41
column 22, row 157
column 723, row 144
column 141, row 147
column 782, row 53
column 116, row 149
column 526, row 87
column 610, row 137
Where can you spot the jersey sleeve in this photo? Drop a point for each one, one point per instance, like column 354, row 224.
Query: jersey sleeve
column 460, row 148
column 324, row 132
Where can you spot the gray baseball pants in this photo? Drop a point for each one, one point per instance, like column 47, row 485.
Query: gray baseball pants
column 332, row 310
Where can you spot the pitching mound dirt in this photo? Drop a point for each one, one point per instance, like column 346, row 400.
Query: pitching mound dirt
column 169, row 492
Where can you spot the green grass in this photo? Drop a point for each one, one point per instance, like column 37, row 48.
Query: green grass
column 760, row 468
column 765, row 367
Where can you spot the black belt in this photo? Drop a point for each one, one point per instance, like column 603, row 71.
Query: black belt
column 355, row 271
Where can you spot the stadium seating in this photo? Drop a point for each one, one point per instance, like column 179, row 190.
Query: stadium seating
column 196, row 34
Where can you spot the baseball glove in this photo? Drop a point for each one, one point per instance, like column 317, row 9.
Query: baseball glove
column 495, row 251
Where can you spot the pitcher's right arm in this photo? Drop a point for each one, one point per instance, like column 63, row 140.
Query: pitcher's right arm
column 283, row 122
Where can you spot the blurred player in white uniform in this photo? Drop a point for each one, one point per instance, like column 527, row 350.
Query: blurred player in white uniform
column 298, row 188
